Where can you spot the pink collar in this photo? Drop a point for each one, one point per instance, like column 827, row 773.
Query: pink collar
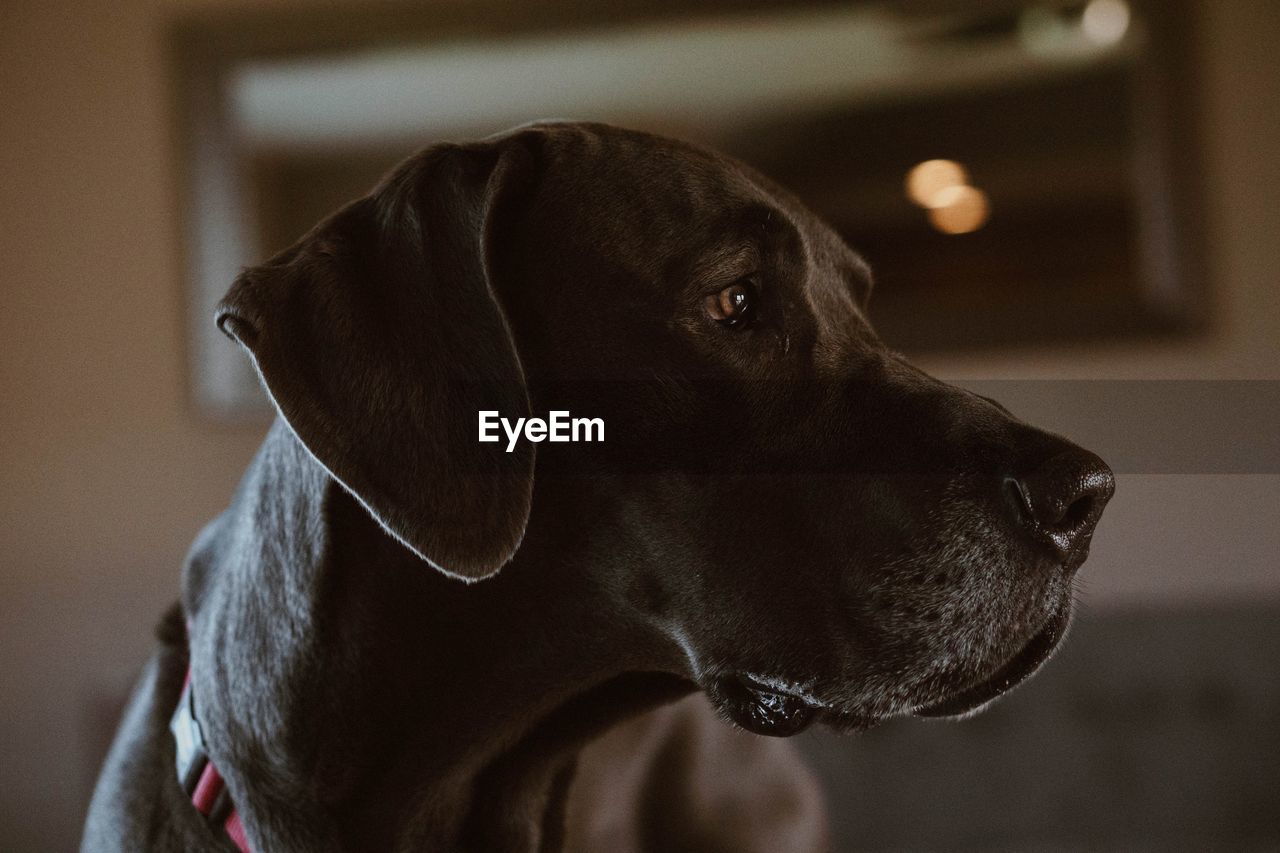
column 200, row 780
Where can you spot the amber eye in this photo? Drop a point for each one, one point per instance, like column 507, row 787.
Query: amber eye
column 734, row 306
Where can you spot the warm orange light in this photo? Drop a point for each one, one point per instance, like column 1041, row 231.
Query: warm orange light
column 928, row 180
column 960, row 210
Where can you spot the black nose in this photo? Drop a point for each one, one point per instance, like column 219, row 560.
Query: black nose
column 1060, row 502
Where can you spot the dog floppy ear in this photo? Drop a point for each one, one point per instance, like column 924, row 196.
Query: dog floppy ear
column 379, row 337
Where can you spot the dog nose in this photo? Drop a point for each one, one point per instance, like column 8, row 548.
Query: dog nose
column 1060, row 502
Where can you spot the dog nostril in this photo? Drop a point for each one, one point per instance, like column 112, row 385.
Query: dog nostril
column 1059, row 503
column 1078, row 513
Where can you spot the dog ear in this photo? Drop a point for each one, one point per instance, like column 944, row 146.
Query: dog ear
column 379, row 338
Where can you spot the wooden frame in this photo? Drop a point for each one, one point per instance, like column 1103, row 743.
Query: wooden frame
column 221, row 232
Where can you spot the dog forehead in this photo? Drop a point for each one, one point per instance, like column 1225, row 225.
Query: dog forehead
column 643, row 196
column 635, row 199
column 646, row 175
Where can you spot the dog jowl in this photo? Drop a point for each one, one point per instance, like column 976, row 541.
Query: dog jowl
column 786, row 515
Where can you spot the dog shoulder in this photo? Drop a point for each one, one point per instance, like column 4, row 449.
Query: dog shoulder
column 137, row 804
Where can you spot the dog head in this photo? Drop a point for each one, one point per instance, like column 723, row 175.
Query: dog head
column 825, row 531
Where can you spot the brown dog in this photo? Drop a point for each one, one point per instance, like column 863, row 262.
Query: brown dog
column 783, row 515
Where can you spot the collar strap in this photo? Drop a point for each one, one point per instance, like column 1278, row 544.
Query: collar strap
column 200, row 780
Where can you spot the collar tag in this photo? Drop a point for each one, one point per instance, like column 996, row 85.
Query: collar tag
column 188, row 741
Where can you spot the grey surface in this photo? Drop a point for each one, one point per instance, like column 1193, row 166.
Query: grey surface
column 1151, row 730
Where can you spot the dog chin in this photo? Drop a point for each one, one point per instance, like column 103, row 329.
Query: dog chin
column 777, row 707
column 976, row 698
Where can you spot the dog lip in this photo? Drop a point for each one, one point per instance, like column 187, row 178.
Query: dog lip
column 781, row 708
column 761, row 707
column 1020, row 667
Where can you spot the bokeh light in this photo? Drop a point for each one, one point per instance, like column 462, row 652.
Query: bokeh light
column 1105, row 22
column 931, row 178
column 960, row 210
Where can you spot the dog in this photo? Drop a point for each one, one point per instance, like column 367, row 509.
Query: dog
column 400, row 637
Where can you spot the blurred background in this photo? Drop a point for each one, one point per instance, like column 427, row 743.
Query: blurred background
column 1071, row 206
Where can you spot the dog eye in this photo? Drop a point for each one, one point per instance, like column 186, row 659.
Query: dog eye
column 734, row 306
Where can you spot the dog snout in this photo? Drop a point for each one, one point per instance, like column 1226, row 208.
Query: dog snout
column 1059, row 502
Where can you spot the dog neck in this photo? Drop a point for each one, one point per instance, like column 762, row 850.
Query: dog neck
column 350, row 691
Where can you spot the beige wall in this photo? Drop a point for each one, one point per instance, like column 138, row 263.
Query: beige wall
column 106, row 474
